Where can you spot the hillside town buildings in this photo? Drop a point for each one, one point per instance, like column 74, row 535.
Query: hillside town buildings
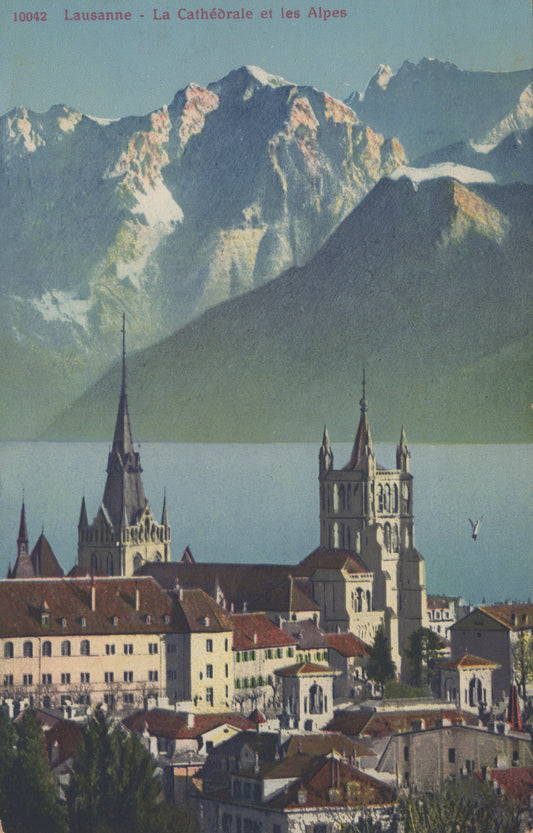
column 245, row 676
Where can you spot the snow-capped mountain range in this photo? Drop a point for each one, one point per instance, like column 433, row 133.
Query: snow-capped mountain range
column 170, row 214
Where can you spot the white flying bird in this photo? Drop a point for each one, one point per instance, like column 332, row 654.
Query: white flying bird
column 475, row 526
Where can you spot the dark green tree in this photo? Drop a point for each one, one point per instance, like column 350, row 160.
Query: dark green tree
column 114, row 787
column 424, row 649
column 8, row 742
column 380, row 667
column 467, row 805
column 33, row 795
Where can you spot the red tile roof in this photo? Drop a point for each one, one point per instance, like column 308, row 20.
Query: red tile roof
column 516, row 616
column 306, row 668
column 516, row 783
column 70, row 612
column 470, row 661
column 348, row 645
column 255, row 630
column 169, row 724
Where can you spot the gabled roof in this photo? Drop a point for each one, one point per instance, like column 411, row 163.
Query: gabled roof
column 45, row 564
column 197, row 612
column 255, row 630
column 516, row 616
column 322, row 743
column 348, row 645
column 169, row 724
column 329, row 782
column 470, row 661
column 516, row 783
column 307, row 634
column 382, row 723
column 303, row 669
column 331, row 559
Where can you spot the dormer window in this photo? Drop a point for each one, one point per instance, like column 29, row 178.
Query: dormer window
column 166, row 619
column 83, row 622
column 63, row 622
column 114, row 620
column 148, row 619
column 45, row 619
column 205, row 621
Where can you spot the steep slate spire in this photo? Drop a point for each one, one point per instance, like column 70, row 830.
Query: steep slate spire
column 83, row 521
column 124, row 496
column 23, row 567
column 164, row 514
column 363, row 449
column 22, row 540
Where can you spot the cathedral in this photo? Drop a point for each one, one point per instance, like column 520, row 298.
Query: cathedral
column 124, row 535
column 368, row 509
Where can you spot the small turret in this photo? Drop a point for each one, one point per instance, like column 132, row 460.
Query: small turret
column 325, row 455
column 402, row 453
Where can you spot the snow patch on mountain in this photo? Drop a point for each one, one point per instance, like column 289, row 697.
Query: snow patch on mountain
column 266, row 78
column 520, row 118
column 62, row 307
column 443, row 169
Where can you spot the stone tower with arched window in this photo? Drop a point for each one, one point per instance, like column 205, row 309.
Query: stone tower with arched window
column 124, row 534
column 368, row 509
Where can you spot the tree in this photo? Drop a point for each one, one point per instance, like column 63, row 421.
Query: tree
column 467, row 805
column 8, row 741
column 523, row 661
column 114, row 787
column 424, row 649
column 34, row 802
column 380, row 667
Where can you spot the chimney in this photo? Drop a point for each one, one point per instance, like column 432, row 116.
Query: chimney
column 137, row 597
column 93, row 595
column 254, row 638
column 190, row 720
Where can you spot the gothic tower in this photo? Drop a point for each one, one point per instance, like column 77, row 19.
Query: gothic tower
column 124, row 534
column 367, row 508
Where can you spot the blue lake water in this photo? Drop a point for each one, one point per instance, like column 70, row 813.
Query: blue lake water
column 259, row 503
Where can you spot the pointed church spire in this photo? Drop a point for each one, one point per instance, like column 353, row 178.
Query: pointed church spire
column 402, row 453
column 124, row 496
column 363, row 449
column 83, row 521
column 164, row 514
column 22, row 540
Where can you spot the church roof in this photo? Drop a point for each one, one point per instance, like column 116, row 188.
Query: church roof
column 45, row 564
column 362, row 447
column 348, row 645
column 324, row 558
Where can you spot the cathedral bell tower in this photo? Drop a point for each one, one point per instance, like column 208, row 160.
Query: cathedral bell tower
column 124, row 534
column 367, row 508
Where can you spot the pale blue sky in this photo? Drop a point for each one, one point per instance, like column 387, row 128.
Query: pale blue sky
column 117, row 69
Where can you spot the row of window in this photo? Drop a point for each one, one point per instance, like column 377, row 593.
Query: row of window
column 252, row 682
column 85, row 678
column 66, row 648
column 269, row 653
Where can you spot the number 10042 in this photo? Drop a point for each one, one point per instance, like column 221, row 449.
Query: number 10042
column 28, row 17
